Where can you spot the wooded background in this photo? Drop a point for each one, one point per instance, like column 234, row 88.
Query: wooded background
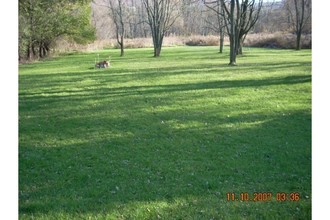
column 47, row 26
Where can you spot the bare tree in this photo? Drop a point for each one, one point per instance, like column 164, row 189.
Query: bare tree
column 161, row 16
column 218, row 26
column 250, row 11
column 117, row 13
column 273, row 18
column 300, row 12
column 192, row 14
column 233, row 30
column 240, row 17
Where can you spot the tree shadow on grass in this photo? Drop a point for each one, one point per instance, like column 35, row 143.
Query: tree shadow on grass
column 94, row 149
column 155, row 162
column 134, row 90
column 120, row 153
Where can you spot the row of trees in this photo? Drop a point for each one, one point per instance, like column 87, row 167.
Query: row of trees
column 133, row 18
column 44, row 21
column 41, row 22
column 195, row 18
column 236, row 18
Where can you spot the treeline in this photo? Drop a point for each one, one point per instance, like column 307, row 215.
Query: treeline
column 194, row 19
column 234, row 18
column 41, row 22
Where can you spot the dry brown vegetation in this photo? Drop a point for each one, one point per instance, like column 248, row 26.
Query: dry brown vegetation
column 199, row 40
column 277, row 40
column 266, row 40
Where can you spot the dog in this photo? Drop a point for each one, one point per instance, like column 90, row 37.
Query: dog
column 102, row 64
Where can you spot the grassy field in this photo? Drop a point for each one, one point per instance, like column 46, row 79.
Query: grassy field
column 166, row 138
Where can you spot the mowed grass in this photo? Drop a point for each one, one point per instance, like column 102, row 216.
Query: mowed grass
column 167, row 137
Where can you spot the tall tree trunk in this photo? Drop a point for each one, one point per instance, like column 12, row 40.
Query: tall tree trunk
column 232, row 36
column 157, row 38
column 232, row 49
column 122, row 29
column 30, row 47
column 220, row 20
column 117, row 17
column 300, row 17
column 222, row 39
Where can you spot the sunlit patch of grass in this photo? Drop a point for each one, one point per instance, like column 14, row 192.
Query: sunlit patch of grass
column 165, row 137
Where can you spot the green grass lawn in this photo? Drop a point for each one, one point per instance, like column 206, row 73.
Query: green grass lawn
column 167, row 137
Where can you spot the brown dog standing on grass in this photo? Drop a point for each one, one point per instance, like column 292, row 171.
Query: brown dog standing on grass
column 102, row 64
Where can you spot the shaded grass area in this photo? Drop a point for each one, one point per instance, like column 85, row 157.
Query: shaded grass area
column 165, row 138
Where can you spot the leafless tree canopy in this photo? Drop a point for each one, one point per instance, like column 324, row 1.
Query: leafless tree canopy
column 299, row 16
column 240, row 16
column 193, row 18
column 161, row 15
column 117, row 8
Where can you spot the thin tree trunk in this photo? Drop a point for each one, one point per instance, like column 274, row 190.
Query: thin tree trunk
column 122, row 45
column 299, row 21
column 232, row 36
column 34, row 50
column 117, row 16
column 30, row 47
column 222, row 39
column 221, row 44
column 240, row 45
column 40, row 50
column 29, row 54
